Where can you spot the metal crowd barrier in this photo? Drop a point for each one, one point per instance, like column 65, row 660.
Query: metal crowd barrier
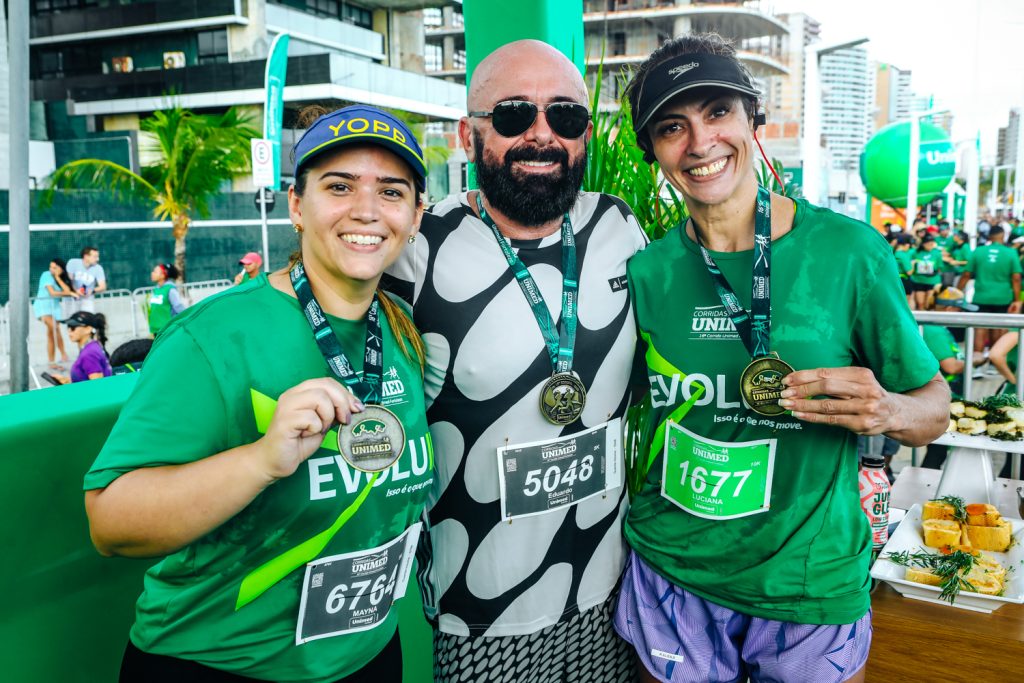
column 971, row 321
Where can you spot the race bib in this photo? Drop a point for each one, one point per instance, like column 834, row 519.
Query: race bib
column 354, row 592
column 156, row 299
column 715, row 479
column 542, row 476
column 925, row 268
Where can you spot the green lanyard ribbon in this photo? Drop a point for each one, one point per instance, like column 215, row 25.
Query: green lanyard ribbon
column 560, row 346
column 366, row 389
column 754, row 327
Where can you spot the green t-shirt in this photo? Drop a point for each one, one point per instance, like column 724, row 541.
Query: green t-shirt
column 221, row 366
column 160, row 307
column 927, row 266
column 993, row 266
column 961, row 253
column 945, row 243
column 904, row 261
column 836, row 302
column 942, row 345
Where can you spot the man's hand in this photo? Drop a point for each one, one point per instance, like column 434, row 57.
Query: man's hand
column 851, row 398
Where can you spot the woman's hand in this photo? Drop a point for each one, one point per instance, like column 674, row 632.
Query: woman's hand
column 63, row 379
column 304, row 414
column 852, row 398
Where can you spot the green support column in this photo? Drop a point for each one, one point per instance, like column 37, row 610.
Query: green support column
column 493, row 23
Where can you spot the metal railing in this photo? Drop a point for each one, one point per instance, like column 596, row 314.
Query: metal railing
column 122, row 308
column 971, row 321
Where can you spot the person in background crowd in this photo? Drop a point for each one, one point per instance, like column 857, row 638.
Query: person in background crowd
column 996, row 271
column 904, row 255
column 959, row 254
column 1016, row 228
column 164, row 301
column 514, row 595
column 269, row 492
column 767, row 579
column 129, row 357
column 924, row 272
column 87, row 278
column 950, row 356
column 251, row 264
column 89, row 331
column 945, row 241
column 54, row 285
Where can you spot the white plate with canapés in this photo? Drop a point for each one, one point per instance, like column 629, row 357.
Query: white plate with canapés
column 907, row 546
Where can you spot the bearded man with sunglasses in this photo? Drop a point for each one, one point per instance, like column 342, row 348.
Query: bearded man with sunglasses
column 519, row 289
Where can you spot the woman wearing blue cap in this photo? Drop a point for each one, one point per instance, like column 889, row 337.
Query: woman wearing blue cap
column 282, row 495
column 788, row 335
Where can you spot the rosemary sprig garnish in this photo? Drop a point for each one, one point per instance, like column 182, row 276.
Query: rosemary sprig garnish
column 950, row 568
column 959, row 507
column 999, row 401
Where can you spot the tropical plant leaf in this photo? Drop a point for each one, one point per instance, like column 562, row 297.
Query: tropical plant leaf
column 196, row 155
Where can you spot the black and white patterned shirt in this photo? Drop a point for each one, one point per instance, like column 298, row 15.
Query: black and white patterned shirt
column 486, row 364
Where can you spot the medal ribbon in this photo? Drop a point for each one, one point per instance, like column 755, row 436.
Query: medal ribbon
column 367, row 390
column 754, row 327
column 560, row 346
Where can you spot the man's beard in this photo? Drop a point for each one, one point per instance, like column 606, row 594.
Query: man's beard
column 533, row 199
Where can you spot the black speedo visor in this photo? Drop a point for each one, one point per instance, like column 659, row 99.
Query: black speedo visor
column 686, row 72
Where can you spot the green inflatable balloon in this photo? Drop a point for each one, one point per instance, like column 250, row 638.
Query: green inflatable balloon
column 885, row 164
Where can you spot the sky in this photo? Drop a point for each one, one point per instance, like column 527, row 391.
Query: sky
column 968, row 54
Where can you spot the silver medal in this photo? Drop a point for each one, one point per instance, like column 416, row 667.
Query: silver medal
column 373, row 441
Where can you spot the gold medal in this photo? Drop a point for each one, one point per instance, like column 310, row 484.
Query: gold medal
column 761, row 384
column 373, row 440
column 562, row 398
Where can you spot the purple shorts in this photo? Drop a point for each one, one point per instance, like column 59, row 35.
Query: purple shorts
column 682, row 638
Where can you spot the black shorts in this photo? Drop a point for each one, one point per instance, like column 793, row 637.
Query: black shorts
column 993, row 308
column 921, row 287
column 142, row 667
column 907, row 285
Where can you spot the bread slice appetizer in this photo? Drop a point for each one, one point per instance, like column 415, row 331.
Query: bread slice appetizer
column 938, row 509
column 941, row 532
column 995, row 538
column 983, row 514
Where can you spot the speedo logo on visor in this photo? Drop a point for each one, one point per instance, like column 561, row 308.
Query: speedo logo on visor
column 711, row 322
column 678, row 71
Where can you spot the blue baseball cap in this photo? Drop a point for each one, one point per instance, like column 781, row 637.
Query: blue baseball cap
column 360, row 123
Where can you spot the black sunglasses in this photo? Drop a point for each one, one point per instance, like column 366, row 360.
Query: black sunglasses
column 514, row 117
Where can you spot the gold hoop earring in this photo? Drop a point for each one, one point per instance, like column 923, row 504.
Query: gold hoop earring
column 297, row 227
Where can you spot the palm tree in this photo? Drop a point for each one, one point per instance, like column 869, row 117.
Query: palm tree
column 197, row 154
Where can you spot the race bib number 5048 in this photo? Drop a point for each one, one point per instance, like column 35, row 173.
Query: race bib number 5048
column 542, row 476
column 716, row 479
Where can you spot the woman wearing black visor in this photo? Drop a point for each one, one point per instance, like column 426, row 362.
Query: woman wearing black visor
column 776, row 332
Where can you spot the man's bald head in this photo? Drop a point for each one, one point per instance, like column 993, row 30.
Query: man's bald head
column 520, row 69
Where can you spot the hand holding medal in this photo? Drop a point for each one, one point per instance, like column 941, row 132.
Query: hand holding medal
column 847, row 397
column 303, row 415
